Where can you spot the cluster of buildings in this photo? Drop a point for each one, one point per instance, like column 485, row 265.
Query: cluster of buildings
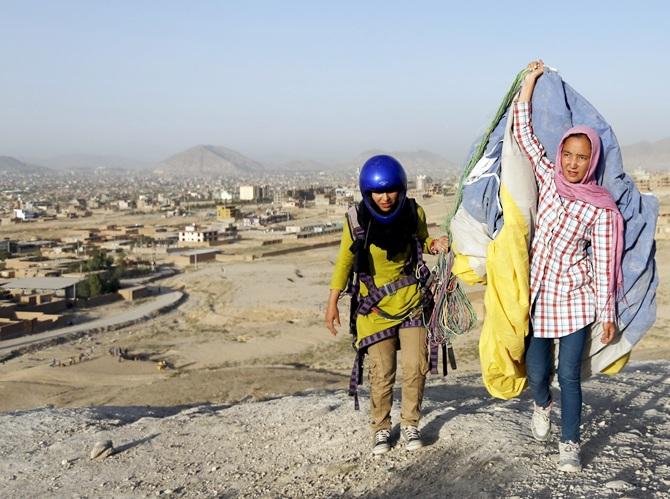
column 657, row 183
column 39, row 278
column 32, row 305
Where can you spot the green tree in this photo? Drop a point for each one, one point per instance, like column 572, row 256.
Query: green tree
column 95, row 285
column 98, row 261
column 83, row 290
column 110, row 282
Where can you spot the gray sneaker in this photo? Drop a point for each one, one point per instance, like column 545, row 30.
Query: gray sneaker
column 569, row 459
column 412, row 437
column 382, row 442
column 540, row 423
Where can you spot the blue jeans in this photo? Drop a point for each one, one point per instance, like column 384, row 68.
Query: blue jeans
column 539, row 361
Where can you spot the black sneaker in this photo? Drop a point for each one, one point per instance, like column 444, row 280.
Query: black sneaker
column 412, row 437
column 382, row 442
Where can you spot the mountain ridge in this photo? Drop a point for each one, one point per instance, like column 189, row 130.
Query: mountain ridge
column 13, row 166
column 207, row 159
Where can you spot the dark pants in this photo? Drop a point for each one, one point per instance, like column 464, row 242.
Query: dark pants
column 539, row 361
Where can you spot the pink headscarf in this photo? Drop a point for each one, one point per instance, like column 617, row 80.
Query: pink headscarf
column 588, row 191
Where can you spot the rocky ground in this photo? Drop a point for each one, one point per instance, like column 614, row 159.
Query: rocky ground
column 315, row 445
column 240, row 393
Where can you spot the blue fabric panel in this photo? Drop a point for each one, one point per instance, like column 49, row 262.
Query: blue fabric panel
column 557, row 107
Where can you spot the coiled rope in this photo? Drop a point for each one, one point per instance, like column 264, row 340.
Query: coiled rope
column 452, row 314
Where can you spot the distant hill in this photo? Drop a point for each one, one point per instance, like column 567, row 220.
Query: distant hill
column 647, row 155
column 206, row 160
column 93, row 162
column 16, row 167
column 414, row 162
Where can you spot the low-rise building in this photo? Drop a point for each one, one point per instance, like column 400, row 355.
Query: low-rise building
column 193, row 257
column 8, row 246
column 224, row 212
column 193, row 235
column 134, row 293
column 652, row 181
column 663, row 224
column 62, row 287
column 21, row 214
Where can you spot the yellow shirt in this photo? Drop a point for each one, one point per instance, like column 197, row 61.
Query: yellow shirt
column 383, row 271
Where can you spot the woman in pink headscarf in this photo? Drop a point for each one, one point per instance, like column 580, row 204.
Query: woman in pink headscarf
column 575, row 272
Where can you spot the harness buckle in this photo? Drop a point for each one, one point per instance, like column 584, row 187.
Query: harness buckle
column 388, row 289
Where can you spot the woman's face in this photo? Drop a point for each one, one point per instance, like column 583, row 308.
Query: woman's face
column 575, row 158
column 385, row 201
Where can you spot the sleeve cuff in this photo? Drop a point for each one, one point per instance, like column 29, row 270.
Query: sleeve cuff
column 523, row 106
column 607, row 315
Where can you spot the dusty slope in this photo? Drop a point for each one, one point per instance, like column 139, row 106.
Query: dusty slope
column 315, row 445
column 240, row 318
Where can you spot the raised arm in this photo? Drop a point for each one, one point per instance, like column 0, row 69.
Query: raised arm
column 535, row 70
column 523, row 128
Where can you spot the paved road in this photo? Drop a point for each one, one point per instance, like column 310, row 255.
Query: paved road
column 135, row 314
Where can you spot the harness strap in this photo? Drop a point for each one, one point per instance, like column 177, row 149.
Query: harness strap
column 354, row 227
column 433, row 358
column 421, row 275
column 447, row 355
column 375, row 294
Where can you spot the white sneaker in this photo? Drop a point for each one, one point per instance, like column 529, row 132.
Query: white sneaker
column 412, row 437
column 540, row 423
column 382, row 442
column 569, row 459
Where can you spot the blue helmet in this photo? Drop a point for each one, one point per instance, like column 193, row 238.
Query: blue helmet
column 383, row 174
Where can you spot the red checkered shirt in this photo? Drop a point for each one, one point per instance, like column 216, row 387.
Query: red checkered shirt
column 568, row 286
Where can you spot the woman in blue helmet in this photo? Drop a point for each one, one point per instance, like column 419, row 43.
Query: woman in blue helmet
column 381, row 245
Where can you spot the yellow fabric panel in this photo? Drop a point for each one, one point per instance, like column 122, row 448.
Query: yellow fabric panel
column 505, row 327
column 617, row 365
column 461, row 268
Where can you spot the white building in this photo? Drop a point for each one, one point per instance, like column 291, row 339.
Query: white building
column 248, row 193
column 192, row 234
column 22, row 214
column 226, row 196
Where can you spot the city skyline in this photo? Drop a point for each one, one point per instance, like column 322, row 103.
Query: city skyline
column 295, row 80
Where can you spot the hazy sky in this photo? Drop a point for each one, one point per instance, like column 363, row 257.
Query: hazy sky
column 310, row 79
